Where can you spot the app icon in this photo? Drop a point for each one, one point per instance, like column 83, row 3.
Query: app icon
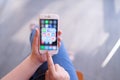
column 46, row 42
column 50, row 21
column 50, row 42
column 46, row 25
column 42, row 42
column 43, row 30
column 42, row 47
column 54, row 47
column 48, row 34
column 42, row 21
column 50, row 47
column 53, row 30
column 53, row 39
column 55, row 21
column 46, row 47
column 43, row 39
column 48, row 29
column 50, row 26
column 42, row 25
column 53, row 34
column 54, row 26
column 43, row 34
column 46, row 21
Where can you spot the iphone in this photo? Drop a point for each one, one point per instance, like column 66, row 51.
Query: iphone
column 48, row 33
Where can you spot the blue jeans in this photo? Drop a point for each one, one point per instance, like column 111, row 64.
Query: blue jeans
column 60, row 58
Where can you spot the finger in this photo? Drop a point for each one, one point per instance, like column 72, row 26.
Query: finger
column 59, row 41
column 35, row 40
column 51, row 67
column 57, row 67
column 38, row 39
column 47, row 75
column 59, row 44
column 32, row 26
column 59, row 32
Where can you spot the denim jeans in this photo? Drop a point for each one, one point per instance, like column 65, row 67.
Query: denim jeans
column 60, row 58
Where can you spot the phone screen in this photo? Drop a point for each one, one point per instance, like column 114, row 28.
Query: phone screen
column 48, row 34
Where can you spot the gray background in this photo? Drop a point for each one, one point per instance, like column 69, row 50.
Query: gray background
column 90, row 28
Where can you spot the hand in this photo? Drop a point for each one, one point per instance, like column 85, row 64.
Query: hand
column 35, row 47
column 55, row 72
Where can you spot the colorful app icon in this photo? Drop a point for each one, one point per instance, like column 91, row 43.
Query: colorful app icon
column 46, row 42
column 53, row 30
column 43, row 29
column 42, row 47
column 53, row 34
column 46, row 47
column 46, row 21
column 50, row 47
column 53, row 39
column 42, row 21
column 46, row 25
column 42, row 42
column 42, row 25
column 43, row 34
column 55, row 21
column 50, row 42
column 54, row 26
column 48, row 29
column 50, row 26
column 48, row 34
column 50, row 21
column 54, row 48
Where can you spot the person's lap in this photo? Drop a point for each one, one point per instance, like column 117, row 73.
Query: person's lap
column 60, row 58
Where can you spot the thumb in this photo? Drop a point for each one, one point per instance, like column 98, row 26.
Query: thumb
column 35, row 40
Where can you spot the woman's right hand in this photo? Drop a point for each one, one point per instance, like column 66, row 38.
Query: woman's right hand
column 55, row 72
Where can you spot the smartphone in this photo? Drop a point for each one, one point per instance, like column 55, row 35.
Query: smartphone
column 48, row 33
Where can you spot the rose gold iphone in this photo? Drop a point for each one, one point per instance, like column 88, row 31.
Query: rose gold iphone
column 48, row 33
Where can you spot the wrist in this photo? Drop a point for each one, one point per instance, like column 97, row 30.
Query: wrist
column 35, row 60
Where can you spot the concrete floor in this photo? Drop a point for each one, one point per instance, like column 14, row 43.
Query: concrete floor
column 90, row 30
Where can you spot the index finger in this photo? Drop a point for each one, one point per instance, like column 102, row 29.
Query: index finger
column 51, row 66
